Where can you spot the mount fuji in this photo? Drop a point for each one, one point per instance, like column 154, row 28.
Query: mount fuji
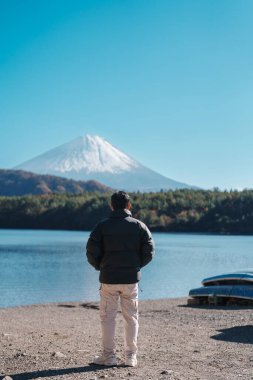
column 94, row 158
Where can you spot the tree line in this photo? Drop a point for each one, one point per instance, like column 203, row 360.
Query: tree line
column 211, row 211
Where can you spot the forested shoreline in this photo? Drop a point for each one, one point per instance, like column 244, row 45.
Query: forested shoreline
column 198, row 211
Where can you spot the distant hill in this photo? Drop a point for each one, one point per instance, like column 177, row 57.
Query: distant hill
column 19, row 182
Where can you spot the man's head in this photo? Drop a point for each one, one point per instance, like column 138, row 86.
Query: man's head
column 120, row 200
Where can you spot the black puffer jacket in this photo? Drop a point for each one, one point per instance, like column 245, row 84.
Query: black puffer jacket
column 119, row 246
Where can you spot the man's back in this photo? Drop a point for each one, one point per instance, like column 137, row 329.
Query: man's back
column 119, row 246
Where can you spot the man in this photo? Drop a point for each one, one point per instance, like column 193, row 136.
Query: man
column 119, row 247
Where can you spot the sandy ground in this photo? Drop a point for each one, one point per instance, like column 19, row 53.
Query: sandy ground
column 58, row 341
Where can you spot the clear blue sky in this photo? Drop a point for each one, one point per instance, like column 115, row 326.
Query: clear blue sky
column 169, row 82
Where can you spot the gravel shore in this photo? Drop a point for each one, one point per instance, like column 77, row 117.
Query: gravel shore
column 176, row 342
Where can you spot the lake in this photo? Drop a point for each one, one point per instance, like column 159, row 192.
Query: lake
column 50, row 266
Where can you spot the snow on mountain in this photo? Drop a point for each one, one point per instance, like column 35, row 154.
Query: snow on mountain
column 92, row 157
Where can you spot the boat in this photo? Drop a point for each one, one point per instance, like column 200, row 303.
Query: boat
column 234, row 278
column 235, row 287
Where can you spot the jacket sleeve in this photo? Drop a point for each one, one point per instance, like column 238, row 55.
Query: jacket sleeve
column 94, row 247
column 147, row 245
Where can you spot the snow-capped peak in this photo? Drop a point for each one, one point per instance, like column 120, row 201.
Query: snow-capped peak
column 86, row 153
column 95, row 154
column 92, row 157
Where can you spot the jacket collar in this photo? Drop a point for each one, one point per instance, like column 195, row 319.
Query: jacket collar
column 121, row 213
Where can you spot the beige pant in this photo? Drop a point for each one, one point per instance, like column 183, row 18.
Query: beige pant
column 109, row 297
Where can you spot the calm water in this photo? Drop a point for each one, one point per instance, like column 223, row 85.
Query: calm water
column 50, row 266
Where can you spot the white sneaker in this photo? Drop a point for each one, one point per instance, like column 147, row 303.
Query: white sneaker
column 108, row 360
column 131, row 360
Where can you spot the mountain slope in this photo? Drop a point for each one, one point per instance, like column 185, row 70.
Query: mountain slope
column 92, row 157
column 19, row 182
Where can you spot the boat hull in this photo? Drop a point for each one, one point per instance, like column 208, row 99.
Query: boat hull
column 236, row 278
column 223, row 291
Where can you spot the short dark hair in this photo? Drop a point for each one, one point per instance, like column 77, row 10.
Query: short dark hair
column 120, row 200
